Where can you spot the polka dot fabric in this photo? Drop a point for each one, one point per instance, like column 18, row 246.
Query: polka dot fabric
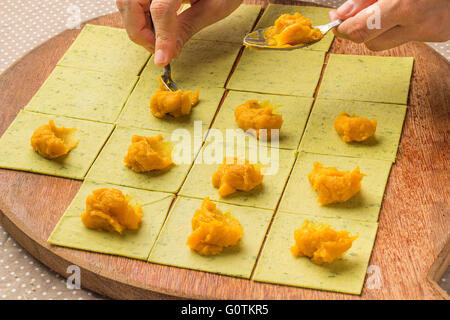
column 24, row 25
column 27, row 23
column 24, row 278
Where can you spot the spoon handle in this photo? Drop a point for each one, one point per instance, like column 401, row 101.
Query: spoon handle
column 167, row 71
column 327, row 27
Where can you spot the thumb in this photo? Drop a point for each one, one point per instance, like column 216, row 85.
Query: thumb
column 164, row 15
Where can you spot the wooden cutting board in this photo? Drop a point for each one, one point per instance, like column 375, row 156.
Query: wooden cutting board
column 414, row 222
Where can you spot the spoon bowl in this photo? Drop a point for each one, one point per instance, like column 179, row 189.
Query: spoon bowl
column 256, row 38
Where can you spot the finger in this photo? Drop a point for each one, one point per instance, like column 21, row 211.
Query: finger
column 390, row 39
column 164, row 14
column 136, row 21
column 201, row 14
column 348, row 9
column 333, row 15
column 370, row 22
column 351, row 7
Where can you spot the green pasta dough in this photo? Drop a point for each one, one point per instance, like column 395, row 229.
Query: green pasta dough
column 70, row 231
column 136, row 112
column 83, row 94
column 106, row 49
column 367, row 78
column 16, row 152
column 295, row 111
column 261, row 71
column 233, row 28
column 110, row 167
column 277, row 264
column 299, row 197
column 321, row 137
column 238, row 261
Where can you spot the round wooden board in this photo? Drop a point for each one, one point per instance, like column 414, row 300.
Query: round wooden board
column 413, row 224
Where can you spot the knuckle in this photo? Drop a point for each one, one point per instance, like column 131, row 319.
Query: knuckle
column 159, row 8
column 163, row 37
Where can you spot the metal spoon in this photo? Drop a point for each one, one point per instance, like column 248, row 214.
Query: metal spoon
column 256, row 38
column 166, row 76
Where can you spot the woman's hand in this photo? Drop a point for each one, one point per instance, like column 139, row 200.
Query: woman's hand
column 172, row 30
column 385, row 24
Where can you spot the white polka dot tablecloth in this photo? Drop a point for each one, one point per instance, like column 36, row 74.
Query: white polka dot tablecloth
column 24, row 25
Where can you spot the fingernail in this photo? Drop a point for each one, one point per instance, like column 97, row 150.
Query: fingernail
column 160, row 58
column 346, row 8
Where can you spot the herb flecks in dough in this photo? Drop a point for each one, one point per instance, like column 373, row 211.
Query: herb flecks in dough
column 236, row 174
column 334, row 186
column 354, row 128
column 175, row 103
column 321, row 243
column 148, row 153
column 213, row 230
column 110, row 210
column 258, row 115
column 52, row 142
column 292, row 30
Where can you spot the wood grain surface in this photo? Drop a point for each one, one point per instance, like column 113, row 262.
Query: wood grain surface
column 413, row 225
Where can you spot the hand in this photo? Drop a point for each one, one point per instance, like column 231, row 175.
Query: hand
column 172, row 30
column 385, row 24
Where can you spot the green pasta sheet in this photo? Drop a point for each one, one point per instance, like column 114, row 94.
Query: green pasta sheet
column 106, row 49
column 321, row 137
column 110, row 167
column 71, row 232
column 295, row 111
column 83, row 94
column 276, row 165
column 238, row 261
column 300, row 198
column 294, row 72
column 277, row 264
column 201, row 64
column 136, row 112
column 367, row 78
column 318, row 16
column 16, row 152
column 233, row 28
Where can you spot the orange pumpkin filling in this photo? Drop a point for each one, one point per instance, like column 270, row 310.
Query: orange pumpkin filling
column 213, row 230
column 148, row 153
column 321, row 243
column 52, row 142
column 175, row 103
column 292, row 30
column 257, row 116
column 353, row 128
column 236, row 174
column 334, row 186
column 110, row 210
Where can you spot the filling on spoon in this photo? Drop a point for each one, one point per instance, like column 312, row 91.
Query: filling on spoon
column 292, row 30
